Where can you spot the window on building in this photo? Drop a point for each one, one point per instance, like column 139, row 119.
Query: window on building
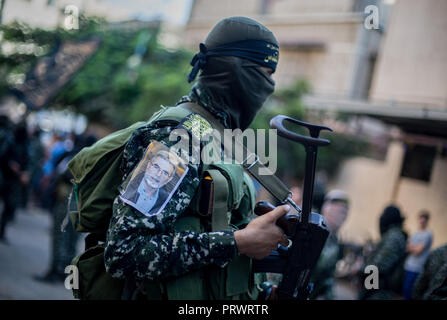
column 418, row 162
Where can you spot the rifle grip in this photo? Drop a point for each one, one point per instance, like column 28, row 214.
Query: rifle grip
column 286, row 222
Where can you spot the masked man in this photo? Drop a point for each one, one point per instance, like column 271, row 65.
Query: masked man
column 183, row 252
column 388, row 256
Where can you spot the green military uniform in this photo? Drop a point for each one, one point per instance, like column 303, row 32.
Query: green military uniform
column 177, row 253
column 175, row 247
column 388, row 257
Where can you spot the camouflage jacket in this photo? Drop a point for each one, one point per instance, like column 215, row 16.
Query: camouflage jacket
column 388, row 257
column 432, row 283
column 148, row 248
column 389, row 252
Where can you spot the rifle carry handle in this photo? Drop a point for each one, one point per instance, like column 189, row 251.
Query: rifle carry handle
column 314, row 130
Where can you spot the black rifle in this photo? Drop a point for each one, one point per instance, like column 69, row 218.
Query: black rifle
column 307, row 231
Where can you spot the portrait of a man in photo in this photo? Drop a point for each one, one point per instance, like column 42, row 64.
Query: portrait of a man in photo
column 154, row 182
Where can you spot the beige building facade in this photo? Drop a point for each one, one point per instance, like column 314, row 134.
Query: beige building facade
column 412, row 65
column 411, row 71
column 314, row 35
column 374, row 184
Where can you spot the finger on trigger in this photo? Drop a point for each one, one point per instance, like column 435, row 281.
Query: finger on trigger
column 284, row 241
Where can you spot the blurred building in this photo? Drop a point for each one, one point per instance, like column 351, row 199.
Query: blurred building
column 315, row 36
column 394, row 75
column 408, row 90
column 49, row 14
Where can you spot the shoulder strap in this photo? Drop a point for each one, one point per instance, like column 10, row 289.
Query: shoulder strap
column 251, row 190
column 269, row 181
column 171, row 113
column 219, row 218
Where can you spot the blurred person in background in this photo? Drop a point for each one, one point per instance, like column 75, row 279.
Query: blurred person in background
column 335, row 210
column 37, row 156
column 12, row 170
column 418, row 249
column 22, row 157
column 431, row 283
column 296, row 195
column 57, row 150
column 63, row 242
column 320, row 189
column 388, row 257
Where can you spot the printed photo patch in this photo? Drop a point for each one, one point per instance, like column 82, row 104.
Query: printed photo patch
column 154, row 180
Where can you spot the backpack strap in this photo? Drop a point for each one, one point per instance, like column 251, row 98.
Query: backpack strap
column 268, row 180
column 251, row 190
column 220, row 212
column 176, row 114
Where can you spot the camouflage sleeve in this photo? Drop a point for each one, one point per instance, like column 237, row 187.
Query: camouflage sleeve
column 422, row 281
column 147, row 247
column 389, row 252
column 433, row 276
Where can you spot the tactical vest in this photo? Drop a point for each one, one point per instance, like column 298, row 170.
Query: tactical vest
column 235, row 281
column 233, row 191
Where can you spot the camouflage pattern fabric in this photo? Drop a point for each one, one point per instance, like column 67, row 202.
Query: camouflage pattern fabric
column 432, row 282
column 148, row 248
column 389, row 253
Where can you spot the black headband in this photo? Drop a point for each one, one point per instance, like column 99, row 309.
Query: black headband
column 262, row 52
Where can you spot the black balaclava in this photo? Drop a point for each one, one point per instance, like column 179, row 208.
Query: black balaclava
column 390, row 217
column 236, row 83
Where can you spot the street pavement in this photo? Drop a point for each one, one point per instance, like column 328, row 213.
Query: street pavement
column 25, row 255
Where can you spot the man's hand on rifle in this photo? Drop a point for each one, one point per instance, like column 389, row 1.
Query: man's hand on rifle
column 262, row 235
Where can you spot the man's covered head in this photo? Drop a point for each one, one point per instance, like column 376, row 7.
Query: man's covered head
column 390, row 217
column 160, row 169
column 236, row 62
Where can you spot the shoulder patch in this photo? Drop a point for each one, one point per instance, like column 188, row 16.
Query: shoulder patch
column 154, row 180
column 197, row 125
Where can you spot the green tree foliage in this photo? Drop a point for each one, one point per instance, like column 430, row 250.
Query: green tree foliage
column 22, row 45
column 111, row 88
column 113, row 91
column 116, row 88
